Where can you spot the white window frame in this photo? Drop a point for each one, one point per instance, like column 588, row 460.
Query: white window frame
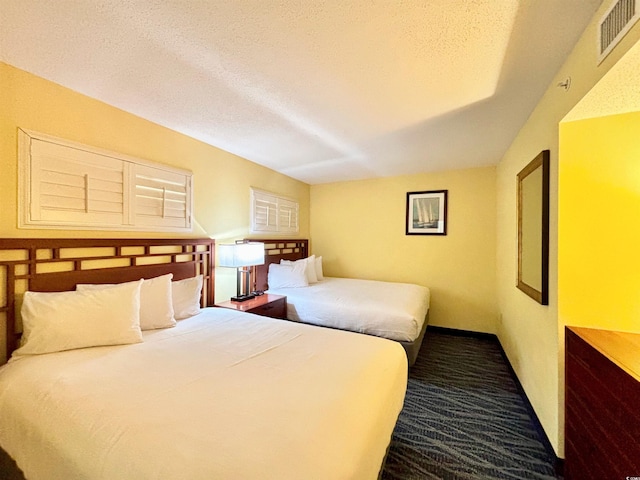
column 178, row 182
column 283, row 208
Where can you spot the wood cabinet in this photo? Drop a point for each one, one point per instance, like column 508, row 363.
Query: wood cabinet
column 602, row 404
column 267, row 305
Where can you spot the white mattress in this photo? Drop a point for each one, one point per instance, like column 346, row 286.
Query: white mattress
column 223, row 395
column 391, row 310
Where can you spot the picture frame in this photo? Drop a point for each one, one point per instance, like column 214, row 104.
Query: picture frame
column 427, row 213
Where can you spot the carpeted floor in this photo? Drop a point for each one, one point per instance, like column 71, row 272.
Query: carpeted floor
column 464, row 418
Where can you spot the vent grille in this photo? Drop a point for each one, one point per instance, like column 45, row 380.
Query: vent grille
column 615, row 24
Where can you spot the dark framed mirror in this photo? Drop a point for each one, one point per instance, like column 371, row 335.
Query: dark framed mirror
column 533, row 229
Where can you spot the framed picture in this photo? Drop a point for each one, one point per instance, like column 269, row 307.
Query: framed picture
column 427, row 213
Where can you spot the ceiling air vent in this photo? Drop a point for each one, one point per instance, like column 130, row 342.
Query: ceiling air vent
column 615, row 24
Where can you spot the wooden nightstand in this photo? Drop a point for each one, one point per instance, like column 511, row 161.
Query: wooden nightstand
column 267, row 305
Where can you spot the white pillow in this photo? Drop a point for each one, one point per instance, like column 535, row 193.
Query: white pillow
column 185, row 295
column 156, row 307
column 309, row 265
column 287, row 276
column 54, row 322
column 319, row 272
column 312, row 276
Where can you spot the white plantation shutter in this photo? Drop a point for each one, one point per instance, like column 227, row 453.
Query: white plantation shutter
column 69, row 185
column 161, row 197
column 273, row 213
column 287, row 216
column 265, row 213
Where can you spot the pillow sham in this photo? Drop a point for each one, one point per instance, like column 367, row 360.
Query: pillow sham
column 312, row 276
column 54, row 322
column 309, row 265
column 287, row 276
column 319, row 272
column 185, row 295
column 156, row 307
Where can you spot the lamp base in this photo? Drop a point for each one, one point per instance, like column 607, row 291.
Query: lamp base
column 243, row 298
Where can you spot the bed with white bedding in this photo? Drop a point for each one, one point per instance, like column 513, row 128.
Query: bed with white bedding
column 214, row 394
column 223, row 395
column 397, row 311
column 391, row 310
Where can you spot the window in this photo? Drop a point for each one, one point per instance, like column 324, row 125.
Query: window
column 161, row 197
column 273, row 213
column 67, row 185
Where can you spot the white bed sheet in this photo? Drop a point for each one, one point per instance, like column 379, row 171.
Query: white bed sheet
column 223, row 395
column 391, row 310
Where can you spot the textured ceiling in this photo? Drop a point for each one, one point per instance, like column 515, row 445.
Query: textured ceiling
column 617, row 92
column 321, row 91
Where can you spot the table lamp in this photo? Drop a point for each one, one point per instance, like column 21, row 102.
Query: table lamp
column 241, row 255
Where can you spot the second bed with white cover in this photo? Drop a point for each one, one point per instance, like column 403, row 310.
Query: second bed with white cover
column 391, row 310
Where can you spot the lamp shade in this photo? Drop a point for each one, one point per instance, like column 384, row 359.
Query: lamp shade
column 241, row 254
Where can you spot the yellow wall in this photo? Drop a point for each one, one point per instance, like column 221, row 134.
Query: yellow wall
column 221, row 180
column 359, row 229
column 599, row 234
column 532, row 335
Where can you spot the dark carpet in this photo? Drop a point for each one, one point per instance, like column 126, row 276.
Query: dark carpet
column 464, row 418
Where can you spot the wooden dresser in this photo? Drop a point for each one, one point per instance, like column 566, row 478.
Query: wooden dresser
column 602, row 405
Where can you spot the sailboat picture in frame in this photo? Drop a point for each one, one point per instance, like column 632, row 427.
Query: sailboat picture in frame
column 427, row 213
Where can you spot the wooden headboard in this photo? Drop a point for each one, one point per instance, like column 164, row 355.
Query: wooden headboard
column 59, row 264
column 274, row 251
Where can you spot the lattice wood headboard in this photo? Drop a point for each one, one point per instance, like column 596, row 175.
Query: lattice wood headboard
column 59, row 264
column 276, row 250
